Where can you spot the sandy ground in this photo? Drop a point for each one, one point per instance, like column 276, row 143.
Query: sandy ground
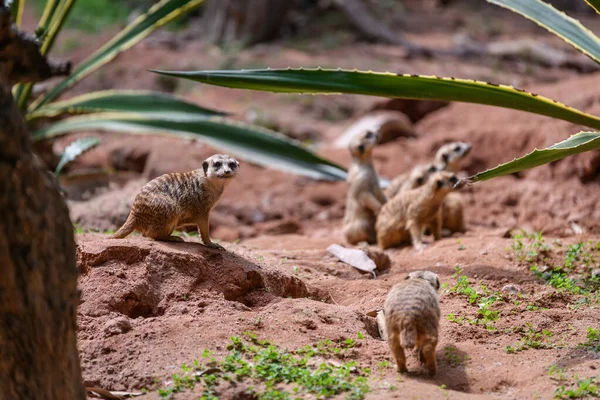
column 148, row 307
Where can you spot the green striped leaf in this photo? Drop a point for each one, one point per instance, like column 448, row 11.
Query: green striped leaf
column 56, row 24
column 578, row 143
column 157, row 16
column 248, row 142
column 16, row 10
column 47, row 15
column 389, row 85
column 53, row 19
column 158, row 105
column 567, row 28
column 74, row 150
column 595, row 4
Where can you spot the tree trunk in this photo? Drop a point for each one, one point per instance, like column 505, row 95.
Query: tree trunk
column 245, row 21
column 38, row 288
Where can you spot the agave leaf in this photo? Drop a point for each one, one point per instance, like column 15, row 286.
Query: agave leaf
column 595, row 4
column 578, row 143
column 56, row 23
column 159, row 105
column 49, row 10
column 389, row 85
column 74, row 149
column 16, row 9
column 53, row 19
column 252, row 143
column 158, row 15
column 568, row 29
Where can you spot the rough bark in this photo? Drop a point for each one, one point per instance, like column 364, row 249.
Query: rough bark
column 38, row 292
column 244, row 21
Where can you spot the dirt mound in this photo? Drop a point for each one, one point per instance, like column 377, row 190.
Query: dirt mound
column 139, row 277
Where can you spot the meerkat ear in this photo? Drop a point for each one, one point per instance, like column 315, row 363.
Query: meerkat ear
column 420, row 180
column 439, row 183
column 437, row 283
column 205, row 166
column 445, row 157
column 361, row 148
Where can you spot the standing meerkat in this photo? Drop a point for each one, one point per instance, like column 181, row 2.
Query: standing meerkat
column 452, row 154
column 447, row 158
column 412, row 318
column 364, row 198
column 178, row 199
column 412, row 179
column 404, row 217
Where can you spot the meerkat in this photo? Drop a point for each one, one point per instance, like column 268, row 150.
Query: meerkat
column 413, row 178
column 412, row 318
column 447, row 158
column 364, row 198
column 453, row 219
column 404, row 217
column 178, row 199
column 452, row 154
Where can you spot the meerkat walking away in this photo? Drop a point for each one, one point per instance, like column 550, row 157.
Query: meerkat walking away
column 178, row 199
column 412, row 318
column 364, row 198
column 404, row 217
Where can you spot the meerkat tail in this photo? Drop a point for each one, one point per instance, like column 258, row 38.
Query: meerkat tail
column 408, row 335
column 126, row 229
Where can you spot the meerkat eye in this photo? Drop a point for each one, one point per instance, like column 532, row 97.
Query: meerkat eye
column 232, row 165
column 454, row 180
column 218, row 164
column 458, row 148
column 420, row 180
column 369, row 135
column 432, row 168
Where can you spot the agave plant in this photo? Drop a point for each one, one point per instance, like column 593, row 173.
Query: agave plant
column 317, row 81
column 143, row 112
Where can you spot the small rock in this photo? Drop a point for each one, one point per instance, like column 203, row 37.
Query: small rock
column 117, row 326
column 511, row 288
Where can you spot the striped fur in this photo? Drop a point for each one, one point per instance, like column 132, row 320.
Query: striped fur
column 179, row 199
column 412, row 315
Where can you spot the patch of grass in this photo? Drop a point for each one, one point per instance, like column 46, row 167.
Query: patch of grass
column 529, row 247
column 457, row 320
column 483, row 297
column 451, row 354
column 77, row 229
column 580, row 389
column 532, row 338
column 557, row 374
column 593, row 340
column 272, row 372
column 571, row 274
